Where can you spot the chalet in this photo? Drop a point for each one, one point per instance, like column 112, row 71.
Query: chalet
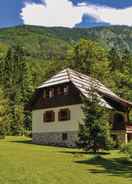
column 56, row 109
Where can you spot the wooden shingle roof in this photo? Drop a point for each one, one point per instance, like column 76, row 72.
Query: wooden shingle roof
column 84, row 83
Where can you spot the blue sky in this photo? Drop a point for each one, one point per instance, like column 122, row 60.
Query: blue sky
column 67, row 13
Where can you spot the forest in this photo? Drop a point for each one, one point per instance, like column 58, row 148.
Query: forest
column 29, row 55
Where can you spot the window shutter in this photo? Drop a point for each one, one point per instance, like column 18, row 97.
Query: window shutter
column 68, row 114
column 53, row 116
column 59, row 115
column 44, row 117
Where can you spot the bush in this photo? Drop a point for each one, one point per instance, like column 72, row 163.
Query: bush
column 2, row 130
column 28, row 133
column 127, row 148
column 2, row 136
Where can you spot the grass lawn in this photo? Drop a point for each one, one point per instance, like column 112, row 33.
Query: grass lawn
column 24, row 163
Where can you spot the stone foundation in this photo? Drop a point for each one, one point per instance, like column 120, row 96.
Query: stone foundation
column 121, row 137
column 55, row 138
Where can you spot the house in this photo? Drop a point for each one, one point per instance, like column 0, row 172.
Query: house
column 56, row 109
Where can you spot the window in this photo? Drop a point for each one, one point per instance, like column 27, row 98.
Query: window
column 51, row 92
column 60, row 91
column 66, row 90
column 46, row 93
column 114, row 137
column 118, row 122
column 49, row 116
column 64, row 136
column 64, row 115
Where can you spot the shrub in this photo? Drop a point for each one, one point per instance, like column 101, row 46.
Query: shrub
column 2, row 129
column 94, row 133
column 28, row 133
column 127, row 148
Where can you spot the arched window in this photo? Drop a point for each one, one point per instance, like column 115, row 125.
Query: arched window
column 49, row 116
column 64, row 115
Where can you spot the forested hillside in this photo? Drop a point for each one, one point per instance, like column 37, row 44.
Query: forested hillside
column 29, row 55
column 42, row 42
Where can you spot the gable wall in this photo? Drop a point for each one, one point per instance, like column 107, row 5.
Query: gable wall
column 58, row 100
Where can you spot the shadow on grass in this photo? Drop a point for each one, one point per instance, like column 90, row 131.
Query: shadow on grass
column 116, row 167
column 83, row 152
column 35, row 144
column 22, row 141
column 28, row 142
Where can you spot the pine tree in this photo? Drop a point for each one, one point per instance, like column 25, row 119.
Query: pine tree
column 17, row 82
column 89, row 58
column 18, row 126
column 4, row 115
column 120, row 64
column 94, row 133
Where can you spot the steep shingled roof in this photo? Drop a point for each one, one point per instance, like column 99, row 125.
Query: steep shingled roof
column 84, row 83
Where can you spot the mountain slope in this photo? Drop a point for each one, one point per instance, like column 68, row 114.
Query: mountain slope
column 42, row 42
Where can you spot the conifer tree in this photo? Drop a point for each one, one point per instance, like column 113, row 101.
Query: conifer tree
column 94, row 132
column 120, row 65
column 17, row 82
column 4, row 115
column 89, row 58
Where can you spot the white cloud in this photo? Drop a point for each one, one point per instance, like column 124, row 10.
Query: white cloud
column 64, row 13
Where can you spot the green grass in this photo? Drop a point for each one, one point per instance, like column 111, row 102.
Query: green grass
column 24, row 163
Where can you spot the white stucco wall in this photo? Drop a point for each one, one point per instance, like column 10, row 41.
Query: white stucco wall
column 38, row 126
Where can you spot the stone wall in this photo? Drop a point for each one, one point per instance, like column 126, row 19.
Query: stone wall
column 55, row 138
column 121, row 136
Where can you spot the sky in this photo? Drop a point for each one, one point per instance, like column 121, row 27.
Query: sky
column 65, row 13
